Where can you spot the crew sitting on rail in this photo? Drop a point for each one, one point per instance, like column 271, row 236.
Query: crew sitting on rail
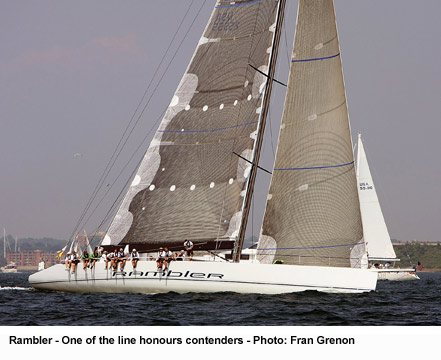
column 106, row 259
column 168, row 257
column 188, row 246
column 122, row 258
column 134, row 258
column 114, row 259
column 85, row 258
column 180, row 256
column 93, row 258
column 160, row 259
column 67, row 261
column 74, row 260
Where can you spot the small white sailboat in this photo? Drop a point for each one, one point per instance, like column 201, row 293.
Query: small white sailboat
column 381, row 254
column 197, row 178
column 11, row 267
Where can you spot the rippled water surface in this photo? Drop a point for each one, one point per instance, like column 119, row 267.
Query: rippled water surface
column 393, row 303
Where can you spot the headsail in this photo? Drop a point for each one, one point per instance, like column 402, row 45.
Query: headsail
column 376, row 236
column 312, row 214
column 190, row 185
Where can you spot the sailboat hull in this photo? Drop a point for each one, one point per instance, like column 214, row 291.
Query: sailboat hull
column 194, row 276
column 396, row 274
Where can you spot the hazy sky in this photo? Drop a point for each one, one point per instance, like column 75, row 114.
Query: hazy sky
column 72, row 74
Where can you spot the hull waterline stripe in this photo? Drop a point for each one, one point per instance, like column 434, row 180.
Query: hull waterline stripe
column 202, row 131
column 316, row 167
column 214, row 281
column 235, row 5
column 316, row 59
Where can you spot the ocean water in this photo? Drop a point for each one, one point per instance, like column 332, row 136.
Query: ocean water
column 393, row 303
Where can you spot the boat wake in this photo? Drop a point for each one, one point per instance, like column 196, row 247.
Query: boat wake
column 16, row 288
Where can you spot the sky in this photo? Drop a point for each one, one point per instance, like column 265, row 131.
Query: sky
column 72, row 74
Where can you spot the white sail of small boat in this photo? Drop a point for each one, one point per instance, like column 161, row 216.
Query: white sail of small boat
column 9, row 267
column 197, row 178
column 381, row 254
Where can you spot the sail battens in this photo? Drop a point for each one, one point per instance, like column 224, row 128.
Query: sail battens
column 317, row 167
column 236, row 4
column 211, row 130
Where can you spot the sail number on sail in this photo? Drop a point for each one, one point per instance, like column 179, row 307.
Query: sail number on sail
column 366, row 186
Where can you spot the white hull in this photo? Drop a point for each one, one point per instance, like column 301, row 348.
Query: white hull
column 396, row 274
column 194, row 276
column 8, row 270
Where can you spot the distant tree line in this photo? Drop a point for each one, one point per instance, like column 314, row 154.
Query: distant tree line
column 30, row 244
column 411, row 253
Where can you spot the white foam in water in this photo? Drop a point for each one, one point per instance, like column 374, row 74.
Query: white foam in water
column 14, row 288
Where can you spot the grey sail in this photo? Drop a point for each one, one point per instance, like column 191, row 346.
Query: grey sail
column 190, row 184
column 312, row 214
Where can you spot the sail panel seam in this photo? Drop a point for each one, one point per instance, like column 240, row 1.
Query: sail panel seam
column 316, row 167
column 316, row 59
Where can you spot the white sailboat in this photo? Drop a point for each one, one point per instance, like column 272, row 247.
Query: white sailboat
column 381, row 254
column 196, row 179
column 10, row 267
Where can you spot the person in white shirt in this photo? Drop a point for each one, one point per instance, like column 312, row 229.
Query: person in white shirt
column 188, row 246
column 160, row 259
column 105, row 258
column 67, row 261
column 74, row 260
column 134, row 258
column 168, row 257
column 121, row 258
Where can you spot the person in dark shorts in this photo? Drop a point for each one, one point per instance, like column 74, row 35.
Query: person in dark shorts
column 93, row 258
column 134, row 257
column 122, row 258
column 74, row 260
column 188, row 246
column 168, row 257
column 85, row 258
column 161, row 258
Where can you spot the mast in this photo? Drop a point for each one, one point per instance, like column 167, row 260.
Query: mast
column 4, row 243
column 266, row 102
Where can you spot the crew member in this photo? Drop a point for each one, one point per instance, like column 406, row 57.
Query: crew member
column 134, row 258
column 168, row 257
column 188, row 246
column 67, row 261
column 122, row 258
column 160, row 259
column 85, row 258
column 74, row 260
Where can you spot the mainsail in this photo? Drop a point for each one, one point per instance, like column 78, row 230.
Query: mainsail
column 190, row 184
column 376, row 236
column 312, row 214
